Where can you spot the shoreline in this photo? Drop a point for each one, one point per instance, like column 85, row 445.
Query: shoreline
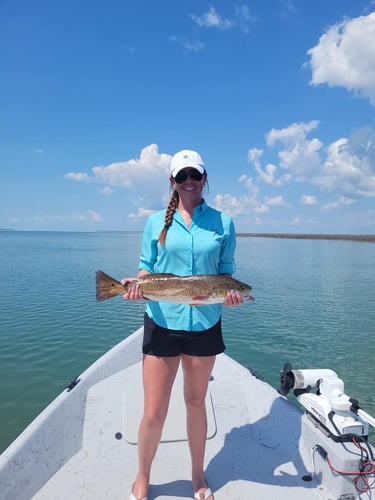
column 369, row 238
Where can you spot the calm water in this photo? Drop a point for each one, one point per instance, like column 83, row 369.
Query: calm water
column 314, row 307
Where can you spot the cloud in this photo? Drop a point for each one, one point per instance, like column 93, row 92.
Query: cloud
column 301, row 221
column 106, row 191
column 238, row 206
column 254, row 155
column 144, row 171
column 78, row 176
column 331, row 205
column 134, row 173
column 243, row 18
column 294, row 133
column 90, row 215
column 300, row 156
column 229, row 204
column 276, row 201
column 342, row 201
column 288, row 7
column 345, row 167
column 348, row 169
column 146, row 177
column 94, row 216
column 345, row 55
column 193, row 46
column 190, row 45
column 142, row 212
column 249, row 185
column 211, row 19
column 268, row 175
column 346, row 201
column 260, row 208
column 309, row 200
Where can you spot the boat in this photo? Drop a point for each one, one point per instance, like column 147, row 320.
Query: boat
column 260, row 444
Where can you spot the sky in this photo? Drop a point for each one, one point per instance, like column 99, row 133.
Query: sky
column 278, row 97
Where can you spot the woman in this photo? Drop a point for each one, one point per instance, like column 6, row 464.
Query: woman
column 189, row 237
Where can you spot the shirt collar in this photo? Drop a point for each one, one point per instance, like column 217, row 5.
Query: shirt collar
column 200, row 208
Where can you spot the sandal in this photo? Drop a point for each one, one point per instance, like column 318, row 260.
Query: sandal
column 132, row 497
column 202, row 496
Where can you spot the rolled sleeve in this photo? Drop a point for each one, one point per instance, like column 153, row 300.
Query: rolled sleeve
column 148, row 255
column 227, row 264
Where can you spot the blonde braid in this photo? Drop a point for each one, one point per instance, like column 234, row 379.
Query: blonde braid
column 171, row 209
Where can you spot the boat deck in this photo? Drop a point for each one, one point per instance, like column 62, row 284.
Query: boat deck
column 258, row 458
column 84, row 444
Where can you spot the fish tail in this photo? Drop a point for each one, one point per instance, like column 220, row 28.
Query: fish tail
column 107, row 287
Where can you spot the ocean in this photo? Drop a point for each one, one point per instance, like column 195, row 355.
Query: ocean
column 314, row 308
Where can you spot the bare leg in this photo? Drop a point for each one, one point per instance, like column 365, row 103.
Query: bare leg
column 158, row 378
column 197, row 370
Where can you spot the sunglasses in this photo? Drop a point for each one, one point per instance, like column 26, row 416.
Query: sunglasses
column 193, row 174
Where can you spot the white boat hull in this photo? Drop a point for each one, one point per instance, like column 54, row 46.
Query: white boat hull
column 259, row 446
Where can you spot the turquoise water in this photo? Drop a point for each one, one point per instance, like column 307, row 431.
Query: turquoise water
column 314, row 307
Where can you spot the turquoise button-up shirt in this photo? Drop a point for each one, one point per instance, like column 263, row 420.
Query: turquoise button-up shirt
column 206, row 247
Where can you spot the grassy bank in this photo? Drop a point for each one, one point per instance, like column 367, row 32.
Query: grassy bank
column 349, row 237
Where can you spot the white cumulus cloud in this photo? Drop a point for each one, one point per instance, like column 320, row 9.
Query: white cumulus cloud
column 300, row 155
column 141, row 213
column 275, row 201
column 345, row 57
column 145, row 170
column 147, row 177
column 229, row 204
column 78, row 176
column 307, row 199
column 94, row 216
column 344, row 167
column 347, row 170
column 106, row 190
column 241, row 19
column 211, row 19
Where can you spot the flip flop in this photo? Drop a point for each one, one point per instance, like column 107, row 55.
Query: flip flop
column 132, row 497
column 202, row 496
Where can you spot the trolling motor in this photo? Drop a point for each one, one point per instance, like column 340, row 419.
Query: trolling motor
column 336, row 414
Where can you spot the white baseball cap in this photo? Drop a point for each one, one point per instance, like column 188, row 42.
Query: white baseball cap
column 186, row 158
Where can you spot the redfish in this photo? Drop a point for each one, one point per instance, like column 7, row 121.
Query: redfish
column 195, row 290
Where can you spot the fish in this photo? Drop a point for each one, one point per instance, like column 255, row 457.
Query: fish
column 194, row 290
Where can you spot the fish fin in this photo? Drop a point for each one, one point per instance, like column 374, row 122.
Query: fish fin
column 202, row 298
column 199, row 300
column 107, row 287
column 158, row 275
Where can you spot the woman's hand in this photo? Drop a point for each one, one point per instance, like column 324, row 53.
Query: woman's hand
column 233, row 299
column 133, row 292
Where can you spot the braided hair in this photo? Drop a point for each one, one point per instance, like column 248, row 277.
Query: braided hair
column 171, row 209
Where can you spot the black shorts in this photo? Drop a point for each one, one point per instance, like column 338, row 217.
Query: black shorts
column 163, row 342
